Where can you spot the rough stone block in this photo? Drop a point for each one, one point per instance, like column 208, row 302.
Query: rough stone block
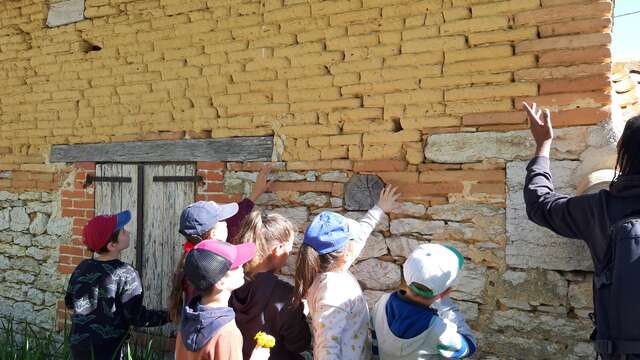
column 362, row 192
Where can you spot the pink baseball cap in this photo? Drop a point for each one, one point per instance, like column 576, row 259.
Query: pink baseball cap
column 210, row 260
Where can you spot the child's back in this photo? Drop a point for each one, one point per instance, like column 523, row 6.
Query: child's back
column 106, row 298
column 208, row 332
column 407, row 330
column 106, row 294
column 422, row 322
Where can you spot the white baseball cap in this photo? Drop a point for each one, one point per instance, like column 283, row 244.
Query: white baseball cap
column 433, row 266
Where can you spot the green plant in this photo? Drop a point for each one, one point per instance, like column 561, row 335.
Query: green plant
column 24, row 341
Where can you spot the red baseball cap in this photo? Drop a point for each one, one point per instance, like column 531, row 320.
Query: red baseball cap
column 97, row 231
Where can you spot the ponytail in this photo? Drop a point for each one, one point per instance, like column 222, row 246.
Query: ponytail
column 264, row 231
column 308, row 265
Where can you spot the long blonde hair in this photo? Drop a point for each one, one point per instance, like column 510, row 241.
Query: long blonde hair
column 264, row 231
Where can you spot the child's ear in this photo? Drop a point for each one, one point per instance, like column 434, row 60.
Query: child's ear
column 278, row 249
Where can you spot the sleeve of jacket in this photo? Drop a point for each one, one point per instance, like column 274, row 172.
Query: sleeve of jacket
column 366, row 226
column 294, row 330
column 450, row 313
column 562, row 214
column 245, row 206
column 131, row 299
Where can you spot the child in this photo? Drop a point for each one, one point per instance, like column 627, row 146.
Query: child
column 338, row 309
column 208, row 329
column 422, row 322
column 263, row 303
column 106, row 294
column 207, row 220
column 203, row 220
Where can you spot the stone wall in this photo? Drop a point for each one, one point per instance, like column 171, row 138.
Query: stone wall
column 424, row 94
column 31, row 229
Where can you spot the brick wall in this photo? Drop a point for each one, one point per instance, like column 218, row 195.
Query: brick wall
column 425, row 94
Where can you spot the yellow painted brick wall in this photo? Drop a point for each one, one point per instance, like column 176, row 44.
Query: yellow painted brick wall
column 345, row 79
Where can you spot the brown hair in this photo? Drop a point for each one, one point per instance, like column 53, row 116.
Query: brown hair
column 308, row 265
column 176, row 298
column 264, row 231
column 113, row 239
column 628, row 162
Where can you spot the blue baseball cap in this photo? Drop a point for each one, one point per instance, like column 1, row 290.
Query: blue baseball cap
column 198, row 218
column 329, row 232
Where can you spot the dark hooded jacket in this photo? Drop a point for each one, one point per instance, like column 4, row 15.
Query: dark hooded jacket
column 263, row 304
column 586, row 217
column 208, row 333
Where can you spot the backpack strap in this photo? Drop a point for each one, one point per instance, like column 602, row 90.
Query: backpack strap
column 617, row 346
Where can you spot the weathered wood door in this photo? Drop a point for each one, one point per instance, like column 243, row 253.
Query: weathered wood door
column 165, row 189
column 165, row 195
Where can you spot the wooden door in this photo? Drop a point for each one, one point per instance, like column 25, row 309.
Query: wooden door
column 164, row 198
column 115, row 194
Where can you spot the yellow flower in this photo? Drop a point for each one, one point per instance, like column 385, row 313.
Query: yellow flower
column 265, row 340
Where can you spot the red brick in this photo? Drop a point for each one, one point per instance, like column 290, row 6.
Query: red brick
column 211, row 175
column 23, row 184
column 563, row 100
column 73, row 194
column 503, row 128
column 208, row 165
column 87, row 253
column 341, row 164
column 75, row 213
column 438, row 200
column 575, row 117
column 379, row 165
column 564, row 42
column 462, row 175
column 75, row 260
column 66, row 269
column 83, row 204
column 221, row 198
column 511, row 117
column 434, row 166
column 590, row 55
column 301, row 186
column 64, row 259
column 310, row 165
column 79, row 222
column 76, row 230
column 202, row 134
column 419, row 190
column 399, row 177
column 496, row 189
column 71, row 250
column 554, row 86
column 576, row 27
column 85, row 165
column 566, row 12
column 81, row 176
column 213, row 187
column 337, row 189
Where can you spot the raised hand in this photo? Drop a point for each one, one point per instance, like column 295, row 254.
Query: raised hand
column 261, row 184
column 541, row 128
column 388, row 201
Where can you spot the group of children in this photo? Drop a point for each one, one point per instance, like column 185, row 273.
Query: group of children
column 226, row 290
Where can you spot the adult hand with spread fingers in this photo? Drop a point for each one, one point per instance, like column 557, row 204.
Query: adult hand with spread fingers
column 541, row 128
